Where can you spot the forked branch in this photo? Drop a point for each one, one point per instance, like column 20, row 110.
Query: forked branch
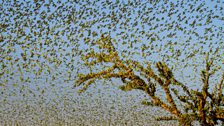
column 195, row 103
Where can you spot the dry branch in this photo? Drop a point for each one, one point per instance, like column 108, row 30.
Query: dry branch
column 195, row 103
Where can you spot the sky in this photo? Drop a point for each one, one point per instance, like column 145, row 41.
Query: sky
column 42, row 42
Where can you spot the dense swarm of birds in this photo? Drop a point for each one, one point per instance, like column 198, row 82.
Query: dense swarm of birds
column 45, row 41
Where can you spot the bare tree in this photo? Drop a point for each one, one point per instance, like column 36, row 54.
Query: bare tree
column 203, row 106
column 43, row 40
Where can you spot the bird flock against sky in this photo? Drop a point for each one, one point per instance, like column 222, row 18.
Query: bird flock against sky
column 42, row 41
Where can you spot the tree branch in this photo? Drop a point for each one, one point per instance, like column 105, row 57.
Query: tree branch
column 207, row 112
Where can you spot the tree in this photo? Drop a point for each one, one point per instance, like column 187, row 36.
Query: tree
column 177, row 53
column 42, row 42
column 203, row 106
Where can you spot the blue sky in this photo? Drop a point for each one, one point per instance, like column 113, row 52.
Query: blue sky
column 42, row 43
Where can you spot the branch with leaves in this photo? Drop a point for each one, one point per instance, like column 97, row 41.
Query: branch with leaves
column 202, row 106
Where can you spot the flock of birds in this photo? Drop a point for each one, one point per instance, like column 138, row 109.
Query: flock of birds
column 45, row 39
